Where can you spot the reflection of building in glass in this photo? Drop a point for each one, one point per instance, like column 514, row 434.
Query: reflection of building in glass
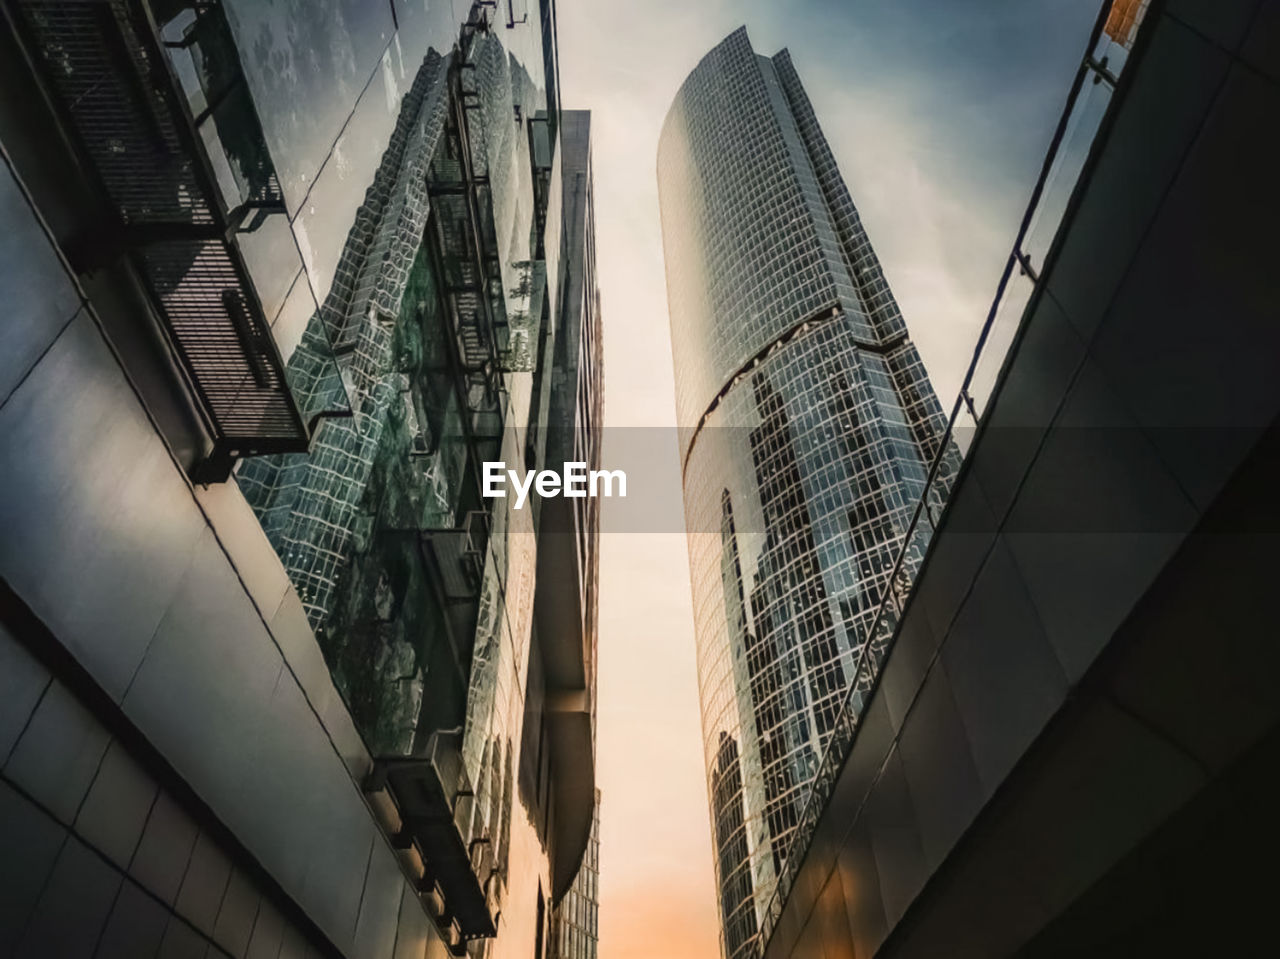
column 812, row 425
column 321, row 268
column 576, row 920
column 336, row 514
column 733, row 860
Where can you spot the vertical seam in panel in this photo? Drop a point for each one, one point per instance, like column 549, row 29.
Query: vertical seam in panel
column 30, row 716
column 364, row 887
column 53, row 865
column 341, row 130
column 1140, row 244
column 75, row 816
column 40, row 359
column 115, row 901
column 222, row 900
column 145, row 823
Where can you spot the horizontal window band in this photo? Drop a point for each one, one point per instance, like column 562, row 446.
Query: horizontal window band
column 824, row 315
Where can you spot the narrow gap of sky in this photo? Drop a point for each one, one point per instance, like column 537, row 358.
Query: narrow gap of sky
column 939, row 113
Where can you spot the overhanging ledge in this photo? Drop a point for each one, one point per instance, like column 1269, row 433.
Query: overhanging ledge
column 570, row 735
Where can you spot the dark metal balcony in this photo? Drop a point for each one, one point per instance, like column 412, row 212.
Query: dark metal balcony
column 436, row 804
column 464, row 232
column 455, row 560
column 104, row 67
column 435, row 600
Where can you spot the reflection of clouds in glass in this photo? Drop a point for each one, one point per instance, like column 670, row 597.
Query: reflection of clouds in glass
column 304, row 64
column 389, row 77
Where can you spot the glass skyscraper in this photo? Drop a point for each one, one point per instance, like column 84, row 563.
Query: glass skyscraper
column 808, row 426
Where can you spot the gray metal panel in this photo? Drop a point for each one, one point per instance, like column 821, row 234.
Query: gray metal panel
column 162, row 856
column 810, row 942
column 1173, row 350
column 211, row 657
column 861, row 881
column 1222, row 21
column 1049, row 354
column 268, row 931
column 204, row 884
column 379, row 909
column 58, row 754
column 1100, row 817
column 1170, row 94
column 292, row 945
column 99, row 522
column 136, row 926
column 415, row 932
column 182, row 942
column 38, row 296
column 337, row 868
column 296, row 312
column 876, row 734
column 1169, row 667
column 116, row 808
column 29, row 844
column 903, row 674
column 1261, row 47
column 958, row 552
column 1005, row 676
column 337, row 829
column 1097, row 516
column 831, row 916
column 941, row 776
column 895, row 840
column 241, row 536
column 273, row 260
column 73, row 907
column 297, row 641
column 22, row 682
column 236, row 915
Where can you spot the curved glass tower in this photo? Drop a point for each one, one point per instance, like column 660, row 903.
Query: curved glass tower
column 808, row 428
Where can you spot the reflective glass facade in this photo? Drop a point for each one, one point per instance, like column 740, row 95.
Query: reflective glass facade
column 576, row 922
column 808, row 427
column 346, row 667
column 441, row 334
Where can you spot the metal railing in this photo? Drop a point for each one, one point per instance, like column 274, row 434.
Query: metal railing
column 108, row 73
column 436, row 803
column 1086, row 101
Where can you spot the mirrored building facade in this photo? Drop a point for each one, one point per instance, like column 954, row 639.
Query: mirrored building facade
column 282, row 681
column 808, row 429
column 576, row 924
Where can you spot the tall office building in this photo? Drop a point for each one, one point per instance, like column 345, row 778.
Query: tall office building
column 275, row 678
column 810, row 425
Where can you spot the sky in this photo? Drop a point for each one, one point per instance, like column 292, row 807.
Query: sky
column 939, row 113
